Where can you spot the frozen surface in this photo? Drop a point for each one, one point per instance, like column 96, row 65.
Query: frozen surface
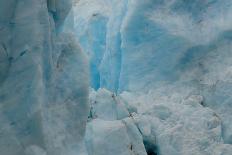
column 133, row 48
column 97, row 25
column 114, row 138
column 43, row 81
column 175, row 124
column 106, row 105
column 167, row 47
column 111, row 129
column 161, row 74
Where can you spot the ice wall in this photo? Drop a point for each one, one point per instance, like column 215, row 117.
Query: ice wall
column 43, row 80
column 177, row 46
column 120, row 35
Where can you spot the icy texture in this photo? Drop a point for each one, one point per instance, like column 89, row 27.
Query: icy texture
column 114, row 138
column 106, row 105
column 111, row 130
column 166, row 63
column 136, row 45
column 43, row 81
column 176, row 124
column 97, row 25
column 167, row 44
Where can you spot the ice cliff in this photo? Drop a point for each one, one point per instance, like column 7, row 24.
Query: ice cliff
column 43, row 80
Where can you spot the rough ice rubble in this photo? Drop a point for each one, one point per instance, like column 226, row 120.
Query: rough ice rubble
column 40, row 99
column 177, row 124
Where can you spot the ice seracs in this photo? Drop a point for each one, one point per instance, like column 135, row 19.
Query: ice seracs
column 161, row 124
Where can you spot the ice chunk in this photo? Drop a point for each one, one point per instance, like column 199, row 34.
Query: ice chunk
column 106, row 105
column 114, row 138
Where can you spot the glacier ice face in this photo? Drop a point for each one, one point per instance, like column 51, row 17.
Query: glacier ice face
column 40, row 99
column 166, row 65
column 98, row 26
column 170, row 44
column 68, row 100
column 135, row 41
column 132, row 31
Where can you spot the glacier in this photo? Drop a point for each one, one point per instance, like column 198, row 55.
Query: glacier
column 115, row 77
column 176, row 54
column 39, row 100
